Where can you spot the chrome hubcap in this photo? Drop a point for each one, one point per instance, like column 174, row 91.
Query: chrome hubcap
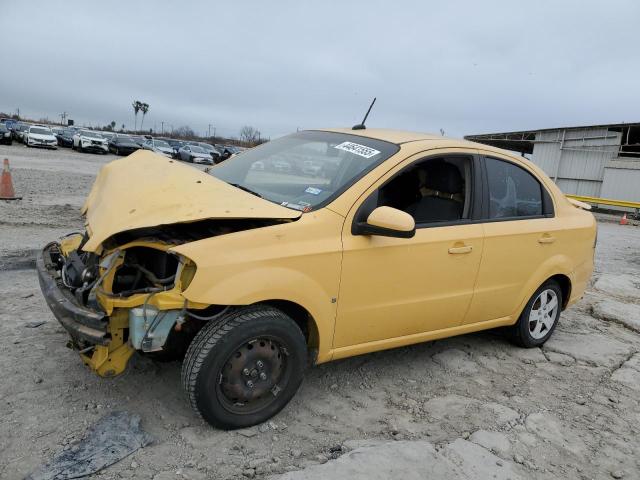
column 543, row 314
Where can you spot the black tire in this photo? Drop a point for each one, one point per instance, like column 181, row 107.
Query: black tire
column 523, row 333
column 190, row 159
column 226, row 349
column 117, row 152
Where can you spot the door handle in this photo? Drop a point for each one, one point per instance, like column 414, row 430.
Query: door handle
column 546, row 238
column 465, row 249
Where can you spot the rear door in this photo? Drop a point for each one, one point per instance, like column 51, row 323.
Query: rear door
column 520, row 232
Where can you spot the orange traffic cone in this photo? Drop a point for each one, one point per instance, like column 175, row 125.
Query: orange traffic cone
column 623, row 220
column 6, row 184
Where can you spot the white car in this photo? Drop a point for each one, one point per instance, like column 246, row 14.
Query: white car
column 87, row 141
column 159, row 146
column 40, row 136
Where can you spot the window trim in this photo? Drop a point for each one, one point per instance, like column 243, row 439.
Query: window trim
column 476, row 199
column 548, row 208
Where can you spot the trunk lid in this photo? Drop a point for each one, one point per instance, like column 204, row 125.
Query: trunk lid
column 146, row 189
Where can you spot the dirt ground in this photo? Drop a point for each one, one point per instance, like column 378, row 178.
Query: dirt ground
column 568, row 410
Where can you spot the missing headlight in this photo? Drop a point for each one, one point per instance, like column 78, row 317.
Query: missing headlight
column 145, row 268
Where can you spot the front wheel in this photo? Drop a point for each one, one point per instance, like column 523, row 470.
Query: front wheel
column 539, row 317
column 244, row 368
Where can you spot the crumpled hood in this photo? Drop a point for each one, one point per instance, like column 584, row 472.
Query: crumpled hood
column 146, row 189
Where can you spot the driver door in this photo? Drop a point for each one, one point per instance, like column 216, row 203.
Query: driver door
column 401, row 287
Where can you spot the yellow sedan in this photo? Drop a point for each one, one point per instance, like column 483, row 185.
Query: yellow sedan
column 262, row 266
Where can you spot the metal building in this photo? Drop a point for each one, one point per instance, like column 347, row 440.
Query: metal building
column 595, row 161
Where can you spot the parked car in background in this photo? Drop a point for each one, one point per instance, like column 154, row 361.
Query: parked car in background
column 175, row 145
column 139, row 140
column 211, row 150
column 40, row 136
column 65, row 137
column 5, row 135
column 194, row 154
column 158, row 146
column 122, row 145
column 19, row 131
column 10, row 123
column 230, row 150
column 88, row 141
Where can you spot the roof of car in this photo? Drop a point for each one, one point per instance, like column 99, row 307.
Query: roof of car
column 431, row 140
column 389, row 135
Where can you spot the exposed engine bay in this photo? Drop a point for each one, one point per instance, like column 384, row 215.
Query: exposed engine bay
column 129, row 297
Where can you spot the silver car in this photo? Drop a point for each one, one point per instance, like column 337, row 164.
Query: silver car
column 194, row 154
column 158, row 146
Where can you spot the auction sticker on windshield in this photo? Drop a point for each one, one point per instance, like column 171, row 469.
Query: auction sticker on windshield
column 357, row 149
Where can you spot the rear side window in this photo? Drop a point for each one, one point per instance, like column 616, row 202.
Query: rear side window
column 513, row 191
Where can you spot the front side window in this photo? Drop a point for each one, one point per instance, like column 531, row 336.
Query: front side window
column 432, row 191
column 304, row 170
column 513, row 192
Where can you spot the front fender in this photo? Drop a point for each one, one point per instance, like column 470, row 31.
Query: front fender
column 296, row 261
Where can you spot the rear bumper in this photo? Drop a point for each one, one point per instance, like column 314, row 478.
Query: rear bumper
column 85, row 326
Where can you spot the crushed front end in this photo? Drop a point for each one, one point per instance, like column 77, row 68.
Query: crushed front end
column 125, row 299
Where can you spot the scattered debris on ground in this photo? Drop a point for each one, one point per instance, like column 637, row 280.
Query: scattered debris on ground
column 114, row 437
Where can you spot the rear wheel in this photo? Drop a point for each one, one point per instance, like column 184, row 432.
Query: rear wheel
column 244, row 368
column 539, row 317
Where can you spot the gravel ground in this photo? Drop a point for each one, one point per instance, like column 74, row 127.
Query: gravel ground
column 474, row 405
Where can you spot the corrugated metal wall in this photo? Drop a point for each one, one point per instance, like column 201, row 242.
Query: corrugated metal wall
column 622, row 180
column 576, row 158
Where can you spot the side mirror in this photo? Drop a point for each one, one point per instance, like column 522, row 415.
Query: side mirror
column 387, row 222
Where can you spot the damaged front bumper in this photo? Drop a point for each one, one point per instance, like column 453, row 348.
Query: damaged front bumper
column 84, row 325
column 98, row 338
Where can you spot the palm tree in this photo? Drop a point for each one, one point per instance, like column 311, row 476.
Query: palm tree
column 136, row 108
column 144, row 108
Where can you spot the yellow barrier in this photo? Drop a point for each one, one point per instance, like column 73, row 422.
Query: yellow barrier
column 606, row 201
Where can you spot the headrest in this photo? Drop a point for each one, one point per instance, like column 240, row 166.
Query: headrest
column 443, row 177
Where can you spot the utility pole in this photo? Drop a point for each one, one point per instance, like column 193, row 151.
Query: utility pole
column 63, row 117
column 162, row 123
column 209, row 130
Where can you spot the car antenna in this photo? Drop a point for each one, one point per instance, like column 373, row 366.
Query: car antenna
column 361, row 126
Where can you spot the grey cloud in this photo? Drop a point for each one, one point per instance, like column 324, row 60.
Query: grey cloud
column 464, row 66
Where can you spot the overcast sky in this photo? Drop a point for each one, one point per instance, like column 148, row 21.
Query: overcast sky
column 463, row 66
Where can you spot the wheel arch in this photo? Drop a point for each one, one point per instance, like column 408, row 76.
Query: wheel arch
column 303, row 318
column 565, row 286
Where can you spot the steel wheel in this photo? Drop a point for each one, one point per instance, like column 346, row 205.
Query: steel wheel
column 543, row 313
column 253, row 376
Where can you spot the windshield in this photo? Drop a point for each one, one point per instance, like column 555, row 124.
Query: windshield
column 40, row 131
column 304, row 170
column 197, row 149
column 84, row 133
column 162, row 143
column 121, row 139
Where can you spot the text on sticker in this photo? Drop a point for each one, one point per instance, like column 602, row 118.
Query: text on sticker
column 357, row 149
